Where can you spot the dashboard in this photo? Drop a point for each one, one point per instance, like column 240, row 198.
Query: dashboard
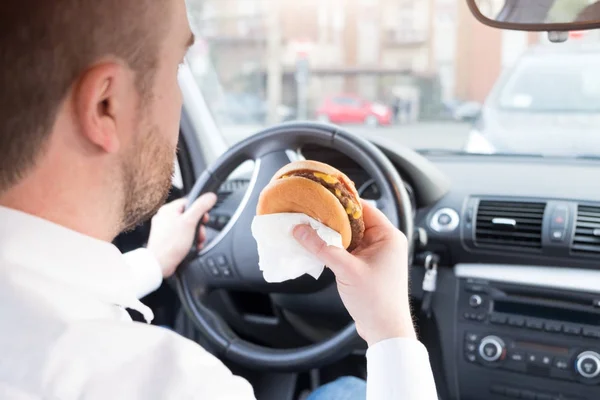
column 517, row 307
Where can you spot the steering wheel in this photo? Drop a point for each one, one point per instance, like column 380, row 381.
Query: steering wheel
column 234, row 250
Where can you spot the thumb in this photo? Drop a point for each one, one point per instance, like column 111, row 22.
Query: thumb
column 342, row 263
column 200, row 207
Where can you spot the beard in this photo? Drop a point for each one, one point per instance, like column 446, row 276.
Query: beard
column 146, row 175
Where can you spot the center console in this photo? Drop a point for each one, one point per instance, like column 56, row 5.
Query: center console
column 525, row 342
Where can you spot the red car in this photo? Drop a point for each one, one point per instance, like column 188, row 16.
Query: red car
column 351, row 109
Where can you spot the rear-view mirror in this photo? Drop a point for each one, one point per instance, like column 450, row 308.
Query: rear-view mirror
column 538, row 15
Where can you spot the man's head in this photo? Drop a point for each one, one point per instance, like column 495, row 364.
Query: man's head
column 89, row 104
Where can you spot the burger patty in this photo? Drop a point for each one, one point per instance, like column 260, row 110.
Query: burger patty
column 339, row 190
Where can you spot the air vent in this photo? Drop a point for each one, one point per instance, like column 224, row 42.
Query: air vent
column 509, row 224
column 587, row 231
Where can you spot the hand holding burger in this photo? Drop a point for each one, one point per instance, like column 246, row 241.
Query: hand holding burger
column 373, row 279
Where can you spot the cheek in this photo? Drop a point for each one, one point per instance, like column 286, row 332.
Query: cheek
column 168, row 110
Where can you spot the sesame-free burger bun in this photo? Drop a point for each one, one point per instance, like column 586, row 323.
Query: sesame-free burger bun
column 319, row 191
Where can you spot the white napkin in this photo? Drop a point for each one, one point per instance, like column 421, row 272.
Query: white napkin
column 281, row 257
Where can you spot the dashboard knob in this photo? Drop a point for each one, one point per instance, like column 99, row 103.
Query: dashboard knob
column 491, row 348
column 588, row 364
column 475, row 301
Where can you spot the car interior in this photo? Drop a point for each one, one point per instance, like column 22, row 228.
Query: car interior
column 511, row 239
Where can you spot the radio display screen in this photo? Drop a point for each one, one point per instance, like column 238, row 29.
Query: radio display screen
column 545, row 312
column 564, row 351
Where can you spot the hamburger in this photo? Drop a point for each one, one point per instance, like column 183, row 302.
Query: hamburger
column 319, row 191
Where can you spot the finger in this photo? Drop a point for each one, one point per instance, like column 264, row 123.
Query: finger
column 176, row 205
column 206, row 218
column 201, row 236
column 200, row 207
column 373, row 217
column 342, row 263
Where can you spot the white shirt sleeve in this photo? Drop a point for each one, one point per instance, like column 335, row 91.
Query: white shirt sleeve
column 145, row 271
column 399, row 369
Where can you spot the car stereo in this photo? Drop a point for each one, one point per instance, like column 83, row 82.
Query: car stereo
column 528, row 342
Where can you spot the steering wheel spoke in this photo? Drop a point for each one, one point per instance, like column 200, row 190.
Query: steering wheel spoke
column 230, row 261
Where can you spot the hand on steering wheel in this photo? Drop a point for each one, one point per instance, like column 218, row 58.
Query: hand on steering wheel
column 235, row 249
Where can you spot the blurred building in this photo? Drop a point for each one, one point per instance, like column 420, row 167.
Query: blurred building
column 371, row 47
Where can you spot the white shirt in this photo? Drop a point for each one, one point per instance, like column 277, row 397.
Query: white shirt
column 64, row 333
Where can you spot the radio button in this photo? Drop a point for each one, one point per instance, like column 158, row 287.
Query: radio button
column 477, row 288
column 552, row 327
column 475, row 301
column 532, row 358
column 516, row 321
column 491, row 348
column 472, row 337
column 471, row 347
column 546, row 360
column 561, row 363
column 591, row 333
column 588, row 364
column 517, row 356
column 534, row 324
column 471, row 357
column 572, row 330
column 498, row 319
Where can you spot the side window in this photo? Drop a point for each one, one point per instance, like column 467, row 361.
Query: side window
column 177, row 177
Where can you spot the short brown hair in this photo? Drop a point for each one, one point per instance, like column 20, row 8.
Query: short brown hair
column 45, row 45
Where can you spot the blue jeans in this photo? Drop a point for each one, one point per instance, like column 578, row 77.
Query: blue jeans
column 346, row 388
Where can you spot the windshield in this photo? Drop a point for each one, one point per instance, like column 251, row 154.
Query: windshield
column 423, row 74
column 574, row 79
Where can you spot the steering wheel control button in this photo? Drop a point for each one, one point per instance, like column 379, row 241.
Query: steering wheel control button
column 588, row 364
column 227, row 272
column 475, row 301
column 491, row 348
column 444, row 220
column 221, row 260
column 222, row 266
column 211, row 268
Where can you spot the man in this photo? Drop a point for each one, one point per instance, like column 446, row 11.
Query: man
column 89, row 111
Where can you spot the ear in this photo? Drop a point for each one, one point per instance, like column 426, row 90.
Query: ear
column 102, row 101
